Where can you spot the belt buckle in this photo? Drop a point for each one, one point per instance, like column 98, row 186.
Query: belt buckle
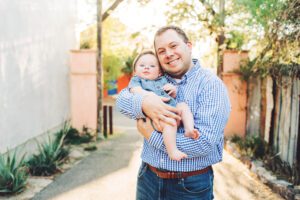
column 173, row 175
column 179, row 175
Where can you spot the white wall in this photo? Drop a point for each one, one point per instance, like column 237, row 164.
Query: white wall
column 35, row 39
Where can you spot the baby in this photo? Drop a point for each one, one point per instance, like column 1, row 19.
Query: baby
column 147, row 78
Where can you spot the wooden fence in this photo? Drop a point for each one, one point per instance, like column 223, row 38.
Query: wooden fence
column 273, row 112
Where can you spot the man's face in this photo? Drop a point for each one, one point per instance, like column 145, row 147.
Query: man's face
column 173, row 53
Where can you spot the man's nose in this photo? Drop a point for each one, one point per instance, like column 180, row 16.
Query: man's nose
column 169, row 52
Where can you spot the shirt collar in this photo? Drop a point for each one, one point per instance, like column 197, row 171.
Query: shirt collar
column 189, row 74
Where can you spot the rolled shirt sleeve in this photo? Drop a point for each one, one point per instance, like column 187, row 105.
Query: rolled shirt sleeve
column 130, row 104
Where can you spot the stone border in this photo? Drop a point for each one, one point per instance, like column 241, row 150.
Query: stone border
column 283, row 188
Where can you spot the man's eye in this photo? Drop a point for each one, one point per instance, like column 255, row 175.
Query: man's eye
column 161, row 52
column 173, row 46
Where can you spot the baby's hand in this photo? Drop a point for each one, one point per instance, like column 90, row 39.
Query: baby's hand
column 170, row 89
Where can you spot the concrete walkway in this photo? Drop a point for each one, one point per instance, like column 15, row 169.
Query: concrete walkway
column 110, row 173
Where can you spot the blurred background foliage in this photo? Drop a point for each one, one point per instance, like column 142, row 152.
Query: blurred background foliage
column 268, row 29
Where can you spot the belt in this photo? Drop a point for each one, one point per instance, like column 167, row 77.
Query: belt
column 173, row 175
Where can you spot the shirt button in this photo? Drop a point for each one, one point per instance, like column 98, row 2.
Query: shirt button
column 162, row 93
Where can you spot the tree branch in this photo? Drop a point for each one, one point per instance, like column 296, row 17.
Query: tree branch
column 208, row 7
column 110, row 9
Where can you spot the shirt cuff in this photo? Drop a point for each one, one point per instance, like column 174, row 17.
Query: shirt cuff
column 156, row 140
column 137, row 106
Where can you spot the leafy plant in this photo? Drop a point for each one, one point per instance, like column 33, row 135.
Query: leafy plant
column 252, row 146
column 85, row 45
column 255, row 147
column 74, row 137
column 13, row 174
column 111, row 68
column 128, row 68
column 279, row 47
column 51, row 155
column 234, row 40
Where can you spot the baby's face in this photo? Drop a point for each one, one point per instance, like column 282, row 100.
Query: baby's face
column 147, row 67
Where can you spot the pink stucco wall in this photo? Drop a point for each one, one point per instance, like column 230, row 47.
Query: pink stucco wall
column 237, row 90
column 84, row 89
column 232, row 59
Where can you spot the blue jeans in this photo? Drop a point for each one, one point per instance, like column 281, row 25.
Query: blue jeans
column 151, row 187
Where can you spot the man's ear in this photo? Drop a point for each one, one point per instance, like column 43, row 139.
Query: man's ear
column 190, row 45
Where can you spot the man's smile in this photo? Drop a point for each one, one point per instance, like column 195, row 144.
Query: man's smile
column 172, row 62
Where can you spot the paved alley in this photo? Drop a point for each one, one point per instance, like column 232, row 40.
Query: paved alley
column 110, row 173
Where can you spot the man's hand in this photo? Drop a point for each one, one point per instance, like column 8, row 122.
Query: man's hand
column 154, row 108
column 170, row 89
column 145, row 127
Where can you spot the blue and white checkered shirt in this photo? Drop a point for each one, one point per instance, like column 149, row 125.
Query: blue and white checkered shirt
column 208, row 100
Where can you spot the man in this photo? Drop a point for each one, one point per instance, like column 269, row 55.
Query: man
column 191, row 178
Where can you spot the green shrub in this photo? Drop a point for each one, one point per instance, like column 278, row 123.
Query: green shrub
column 252, row 146
column 51, row 155
column 235, row 40
column 74, row 137
column 13, row 174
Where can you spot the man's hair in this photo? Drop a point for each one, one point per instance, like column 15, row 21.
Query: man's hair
column 178, row 30
column 144, row 52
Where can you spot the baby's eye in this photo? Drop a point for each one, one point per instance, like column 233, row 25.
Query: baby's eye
column 152, row 66
column 142, row 66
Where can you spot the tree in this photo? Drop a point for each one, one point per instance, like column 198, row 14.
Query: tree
column 99, row 67
column 280, row 22
column 115, row 4
column 100, row 19
column 205, row 16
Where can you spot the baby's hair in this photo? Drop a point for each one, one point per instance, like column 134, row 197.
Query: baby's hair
column 145, row 52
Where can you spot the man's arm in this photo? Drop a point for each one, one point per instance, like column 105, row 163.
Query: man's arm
column 130, row 104
column 137, row 106
column 210, row 119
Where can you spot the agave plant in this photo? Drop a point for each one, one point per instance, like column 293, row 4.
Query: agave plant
column 51, row 155
column 13, row 174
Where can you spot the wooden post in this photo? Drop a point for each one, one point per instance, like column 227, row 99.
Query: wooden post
column 105, row 121
column 110, row 120
column 99, row 66
column 221, row 38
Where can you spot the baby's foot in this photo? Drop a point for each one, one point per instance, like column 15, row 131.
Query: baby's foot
column 177, row 155
column 194, row 134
